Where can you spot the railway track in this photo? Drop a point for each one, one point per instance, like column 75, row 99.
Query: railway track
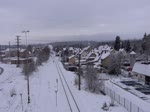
column 73, row 106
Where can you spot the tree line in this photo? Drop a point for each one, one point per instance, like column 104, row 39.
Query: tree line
column 41, row 58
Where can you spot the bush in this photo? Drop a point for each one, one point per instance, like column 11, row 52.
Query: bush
column 91, row 79
column 112, row 103
column 29, row 68
column 13, row 92
column 105, row 107
column 76, row 80
column 43, row 56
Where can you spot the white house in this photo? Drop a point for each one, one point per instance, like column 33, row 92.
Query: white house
column 141, row 71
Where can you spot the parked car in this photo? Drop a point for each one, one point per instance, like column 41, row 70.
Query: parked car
column 72, row 68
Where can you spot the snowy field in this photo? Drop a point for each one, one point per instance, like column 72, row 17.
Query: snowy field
column 43, row 88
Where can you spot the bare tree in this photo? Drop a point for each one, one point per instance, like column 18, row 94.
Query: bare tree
column 43, row 56
column 29, row 68
column 91, row 78
column 115, row 66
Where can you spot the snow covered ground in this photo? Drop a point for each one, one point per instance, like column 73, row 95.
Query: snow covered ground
column 43, row 88
column 126, row 98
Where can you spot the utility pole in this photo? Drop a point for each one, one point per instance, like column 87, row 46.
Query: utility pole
column 18, row 48
column 21, row 101
column 28, row 82
column 79, row 72
column 0, row 52
column 56, row 91
column 9, row 50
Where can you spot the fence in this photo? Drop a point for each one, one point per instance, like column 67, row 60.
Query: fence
column 129, row 105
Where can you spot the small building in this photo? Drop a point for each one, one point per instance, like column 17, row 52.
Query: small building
column 71, row 59
column 106, row 59
column 83, row 54
column 24, row 53
column 141, row 71
column 132, row 58
column 14, row 60
column 91, row 56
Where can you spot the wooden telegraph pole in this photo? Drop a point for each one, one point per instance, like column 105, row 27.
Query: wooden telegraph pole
column 79, row 72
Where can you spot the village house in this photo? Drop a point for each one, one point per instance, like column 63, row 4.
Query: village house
column 71, row 60
column 14, row 60
column 106, row 59
column 24, row 53
column 104, row 49
column 85, row 51
column 11, row 56
column 106, row 56
column 71, row 50
column 36, row 51
column 91, row 56
column 10, row 52
column 141, row 71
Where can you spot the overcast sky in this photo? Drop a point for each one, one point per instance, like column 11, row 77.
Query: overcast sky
column 62, row 19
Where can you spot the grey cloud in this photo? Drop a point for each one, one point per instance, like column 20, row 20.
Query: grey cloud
column 48, row 18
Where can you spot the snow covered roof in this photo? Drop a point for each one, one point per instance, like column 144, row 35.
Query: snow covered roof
column 22, row 50
column 64, row 49
column 104, row 48
column 71, row 48
column 132, row 52
column 7, row 50
column 121, row 50
column 50, row 46
column 97, row 57
column 71, row 56
column 89, row 54
column 82, row 51
column 86, row 48
column 143, row 69
column 16, row 58
column 105, row 55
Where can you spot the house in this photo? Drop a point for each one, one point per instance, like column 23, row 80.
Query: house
column 65, row 54
column 36, row 51
column 106, row 59
column 91, row 56
column 24, row 53
column 71, row 59
column 11, row 56
column 104, row 49
column 10, row 52
column 141, row 71
column 132, row 58
column 83, row 54
column 71, row 50
column 14, row 60
column 85, row 51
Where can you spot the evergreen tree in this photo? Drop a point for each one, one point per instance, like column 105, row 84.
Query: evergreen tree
column 29, row 48
column 128, row 47
column 134, row 47
column 117, row 43
column 144, row 43
column 29, row 68
column 145, row 35
column 43, row 56
column 122, row 45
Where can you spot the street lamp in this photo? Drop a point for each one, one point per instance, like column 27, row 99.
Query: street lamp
column 25, row 32
column 28, row 84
